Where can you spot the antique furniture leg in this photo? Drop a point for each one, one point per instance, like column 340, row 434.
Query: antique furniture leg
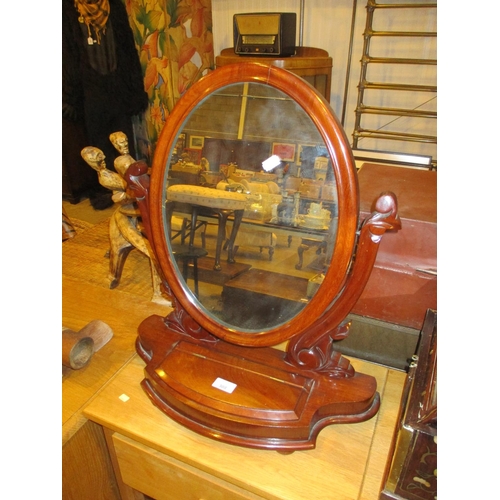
column 186, row 229
column 203, row 235
column 221, row 232
column 116, row 263
column 194, row 253
column 186, row 254
column 169, row 210
column 195, row 276
column 119, row 250
column 238, row 215
column 222, row 216
column 183, row 230
column 305, row 245
column 302, row 248
column 189, row 252
column 194, row 220
column 271, row 252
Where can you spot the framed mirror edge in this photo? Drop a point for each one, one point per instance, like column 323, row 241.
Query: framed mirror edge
column 343, row 165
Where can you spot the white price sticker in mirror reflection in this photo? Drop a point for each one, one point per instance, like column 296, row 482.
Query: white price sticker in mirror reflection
column 224, row 385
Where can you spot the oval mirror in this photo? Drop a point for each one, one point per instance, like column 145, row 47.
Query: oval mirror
column 255, row 205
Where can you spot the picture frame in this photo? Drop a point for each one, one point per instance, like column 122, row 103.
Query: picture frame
column 285, row 151
column 193, row 155
column 196, row 142
column 181, row 143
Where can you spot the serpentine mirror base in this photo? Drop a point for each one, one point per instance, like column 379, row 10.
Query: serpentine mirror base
column 246, row 396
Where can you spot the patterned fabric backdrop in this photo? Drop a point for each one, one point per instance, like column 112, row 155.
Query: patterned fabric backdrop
column 175, row 44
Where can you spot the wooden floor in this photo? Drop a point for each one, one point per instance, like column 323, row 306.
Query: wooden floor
column 85, row 212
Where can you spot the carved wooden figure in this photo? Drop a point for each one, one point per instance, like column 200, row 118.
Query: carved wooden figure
column 124, row 226
column 122, row 162
column 107, row 178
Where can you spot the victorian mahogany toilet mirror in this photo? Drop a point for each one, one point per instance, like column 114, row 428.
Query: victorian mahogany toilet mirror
column 211, row 364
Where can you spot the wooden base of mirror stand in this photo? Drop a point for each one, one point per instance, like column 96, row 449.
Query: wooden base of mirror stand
column 246, row 396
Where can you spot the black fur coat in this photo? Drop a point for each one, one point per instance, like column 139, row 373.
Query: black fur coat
column 103, row 102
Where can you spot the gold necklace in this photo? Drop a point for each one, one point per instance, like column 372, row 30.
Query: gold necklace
column 93, row 14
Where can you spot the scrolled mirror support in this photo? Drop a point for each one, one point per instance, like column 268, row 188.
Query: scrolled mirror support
column 314, row 350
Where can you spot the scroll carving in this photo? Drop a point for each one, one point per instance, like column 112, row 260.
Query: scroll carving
column 181, row 322
column 314, row 349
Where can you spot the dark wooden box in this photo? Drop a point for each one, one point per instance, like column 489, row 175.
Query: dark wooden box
column 403, row 283
column 411, row 471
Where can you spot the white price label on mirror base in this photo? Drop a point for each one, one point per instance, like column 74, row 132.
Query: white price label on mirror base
column 224, row 385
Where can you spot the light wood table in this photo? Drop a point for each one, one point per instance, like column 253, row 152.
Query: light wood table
column 154, row 455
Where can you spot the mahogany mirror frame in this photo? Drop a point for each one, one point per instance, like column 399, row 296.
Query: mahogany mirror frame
column 283, row 398
column 344, row 169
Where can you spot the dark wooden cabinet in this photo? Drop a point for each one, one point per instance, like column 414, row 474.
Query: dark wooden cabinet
column 411, row 472
column 312, row 64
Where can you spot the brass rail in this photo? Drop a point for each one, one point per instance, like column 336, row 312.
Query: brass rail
column 398, row 60
column 395, row 136
column 375, row 110
column 364, row 85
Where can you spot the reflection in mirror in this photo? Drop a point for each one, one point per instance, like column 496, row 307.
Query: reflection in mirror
column 250, row 206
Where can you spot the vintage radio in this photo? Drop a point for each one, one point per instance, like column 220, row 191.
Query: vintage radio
column 264, row 34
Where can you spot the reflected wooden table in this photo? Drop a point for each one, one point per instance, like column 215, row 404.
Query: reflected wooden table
column 309, row 237
column 220, row 214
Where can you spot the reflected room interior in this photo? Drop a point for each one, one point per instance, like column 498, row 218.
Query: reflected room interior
column 287, row 232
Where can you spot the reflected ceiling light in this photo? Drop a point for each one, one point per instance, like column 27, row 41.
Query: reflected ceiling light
column 271, row 162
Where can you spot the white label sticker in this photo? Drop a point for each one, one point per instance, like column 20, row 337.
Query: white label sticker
column 224, row 385
column 124, row 398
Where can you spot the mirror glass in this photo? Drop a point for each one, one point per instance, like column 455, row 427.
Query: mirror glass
column 249, row 151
